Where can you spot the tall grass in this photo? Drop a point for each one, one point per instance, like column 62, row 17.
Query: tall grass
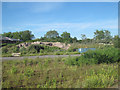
column 54, row 73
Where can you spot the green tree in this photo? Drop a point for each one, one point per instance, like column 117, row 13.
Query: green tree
column 108, row 36
column 26, row 35
column 74, row 39
column 16, row 35
column 116, row 41
column 9, row 34
column 99, row 35
column 22, row 35
column 65, row 35
column 102, row 36
column 83, row 36
column 51, row 34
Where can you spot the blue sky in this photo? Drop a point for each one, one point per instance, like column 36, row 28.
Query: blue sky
column 74, row 17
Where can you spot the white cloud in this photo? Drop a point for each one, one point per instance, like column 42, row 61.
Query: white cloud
column 111, row 24
column 79, row 28
column 76, row 29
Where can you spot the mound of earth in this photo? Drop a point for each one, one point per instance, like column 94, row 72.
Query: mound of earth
column 56, row 44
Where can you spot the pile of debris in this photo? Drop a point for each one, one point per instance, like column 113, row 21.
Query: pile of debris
column 56, row 44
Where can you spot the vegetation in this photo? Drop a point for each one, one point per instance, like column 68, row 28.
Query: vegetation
column 98, row 56
column 102, row 36
column 34, row 50
column 51, row 34
column 22, row 35
column 93, row 69
column 56, row 73
column 116, row 41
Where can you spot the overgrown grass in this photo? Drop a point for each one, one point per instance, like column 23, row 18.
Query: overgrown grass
column 54, row 73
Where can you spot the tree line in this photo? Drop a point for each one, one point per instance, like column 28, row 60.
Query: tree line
column 22, row 35
column 100, row 36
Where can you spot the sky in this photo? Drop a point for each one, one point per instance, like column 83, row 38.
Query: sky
column 74, row 17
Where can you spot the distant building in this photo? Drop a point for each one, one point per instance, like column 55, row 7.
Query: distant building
column 8, row 40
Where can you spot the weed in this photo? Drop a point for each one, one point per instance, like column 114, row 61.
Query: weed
column 14, row 70
column 29, row 72
column 25, row 61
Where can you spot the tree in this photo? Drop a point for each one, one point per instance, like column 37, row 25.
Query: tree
column 102, row 36
column 51, row 34
column 116, row 41
column 9, row 34
column 26, row 35
column 108, row 36
column 22, row 35
column 99, row 35
column 16, row 35
column 74, row 39
column 65, row 35
column 83, row 36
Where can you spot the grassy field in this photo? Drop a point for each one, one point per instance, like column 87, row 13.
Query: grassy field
column 55, row 73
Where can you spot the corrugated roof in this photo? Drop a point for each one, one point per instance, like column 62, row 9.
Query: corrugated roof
column 7, row 38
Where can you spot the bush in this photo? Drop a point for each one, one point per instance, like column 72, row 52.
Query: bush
column 107, row 55
column 28, row 72
column 34, row 48
column 25, row 61
column 104, row 77
column 23, row 50
column 71, row 60
column 4, row 50
column 96, row 81
column 59, row 53
column 116, row 42
column 41, row 49
column 14, row 70
column 13, row 49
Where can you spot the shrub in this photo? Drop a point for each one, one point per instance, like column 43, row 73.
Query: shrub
column 71, row 60
column 4, row 50
column 96, row 81
column 34, row 48
column 104, row 77
column 25, row 61
column 41, row 49
column 23, row 50
column 107, row 55
column 14, row 70
column 14, row 49
column 28, row 72
column 57, row 53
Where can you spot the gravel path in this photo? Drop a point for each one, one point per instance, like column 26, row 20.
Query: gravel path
column 32, row 57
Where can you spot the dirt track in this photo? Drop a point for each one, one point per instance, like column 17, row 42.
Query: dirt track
column 32, row 57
